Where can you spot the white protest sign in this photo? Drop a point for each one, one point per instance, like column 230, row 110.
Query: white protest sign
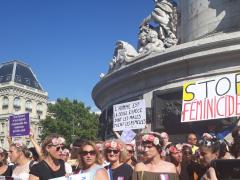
column 212, row 98
column 82, row 176
column 130, row 115
column 127, row 135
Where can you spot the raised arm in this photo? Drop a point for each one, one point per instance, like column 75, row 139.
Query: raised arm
column 36, row 145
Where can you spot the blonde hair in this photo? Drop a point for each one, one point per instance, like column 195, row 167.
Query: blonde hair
column 21, row 148
column 98, row 159
column 123, row 150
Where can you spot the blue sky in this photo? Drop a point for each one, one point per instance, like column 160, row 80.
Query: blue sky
column 68, row 43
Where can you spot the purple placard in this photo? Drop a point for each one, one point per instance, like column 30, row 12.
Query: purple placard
column 19, row 125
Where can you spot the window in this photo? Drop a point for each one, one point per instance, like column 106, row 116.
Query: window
column 28, row 106
column 5, row 102
column 8, row 77
column 36, row 84
column 18, row 78
column 27, row 81
column 39, row 108
column 1, row 78
column 16, row 103
column 2, row 141
column 1, row 127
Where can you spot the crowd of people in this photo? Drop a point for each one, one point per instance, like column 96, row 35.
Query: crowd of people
column 152, row 157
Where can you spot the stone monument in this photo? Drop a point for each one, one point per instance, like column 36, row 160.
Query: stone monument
column 203, row 42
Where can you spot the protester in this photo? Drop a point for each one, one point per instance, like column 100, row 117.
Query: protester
column 19, row 155
column 65, row 156
column 5, row 169
column 166, row 144
column 100, row 148
column 176, row 156
column 192, row 140
column 115, row 153
column 36, row 150
column 34, row 156
column 52, row 166
column 154, row 167
column 131, row 160
column 235, row 149
column 209, row 150
column 187, row 153
column 74, row 151
column 91, row 162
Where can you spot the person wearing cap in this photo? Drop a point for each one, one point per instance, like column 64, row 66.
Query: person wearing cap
column 115, row 154
column 154, row 167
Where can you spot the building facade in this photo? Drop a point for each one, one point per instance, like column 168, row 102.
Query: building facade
column 20, row 92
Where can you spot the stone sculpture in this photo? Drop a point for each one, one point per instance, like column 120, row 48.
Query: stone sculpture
column 164, row 14
column 150, row 38
column 124, row 52
column 149, row 41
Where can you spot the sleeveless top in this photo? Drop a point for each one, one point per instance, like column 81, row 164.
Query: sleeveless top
column 92, row 171
column 145, row 175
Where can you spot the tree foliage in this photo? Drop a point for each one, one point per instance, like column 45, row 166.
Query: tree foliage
column 70, row 119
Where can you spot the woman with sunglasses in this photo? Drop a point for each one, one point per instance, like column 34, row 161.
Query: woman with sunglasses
column 130, row 155
column 115, row 154
column 91, row 162
column 5, row 169
column 153, row 167
column 52, row 166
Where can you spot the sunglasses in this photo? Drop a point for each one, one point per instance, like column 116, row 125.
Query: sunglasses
column 85, row 153
column 130, row 151
column 58, row 147
column 111, row 150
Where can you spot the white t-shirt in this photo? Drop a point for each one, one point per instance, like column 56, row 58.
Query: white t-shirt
column 21, row 171
column 68, row 168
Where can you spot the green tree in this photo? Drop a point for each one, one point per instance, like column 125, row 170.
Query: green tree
column 70, row 119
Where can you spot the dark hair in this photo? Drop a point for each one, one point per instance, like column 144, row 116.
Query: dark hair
column 213, row 145
column 155, row 134
column 75, row 148
column 235, row 149
column 34, row 153
column 5, row 157
column 191, row 133
column 236, row 133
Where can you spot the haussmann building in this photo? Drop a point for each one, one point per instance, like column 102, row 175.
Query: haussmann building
column 20, row 92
